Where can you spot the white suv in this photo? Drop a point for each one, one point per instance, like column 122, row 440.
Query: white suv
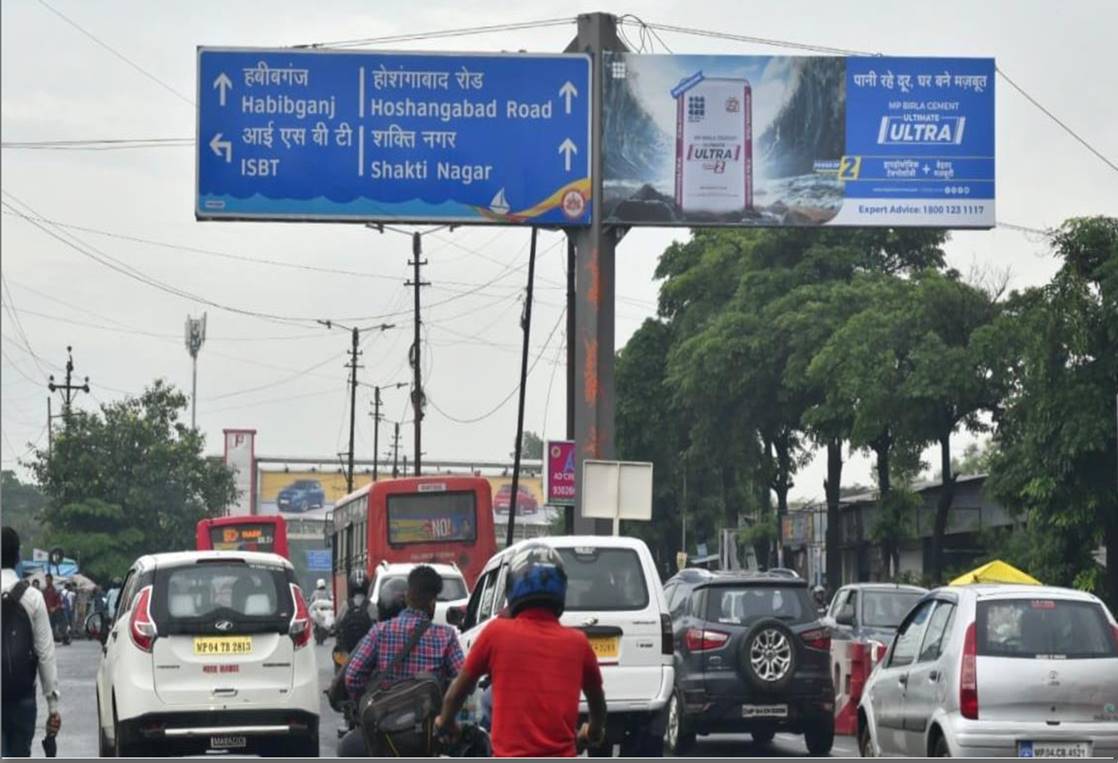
column 209, row 650
column 613, row 594
column 454, row 593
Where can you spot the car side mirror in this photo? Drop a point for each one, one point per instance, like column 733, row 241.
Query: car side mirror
column 456, row 616
column 96, row 626
column 845, row 617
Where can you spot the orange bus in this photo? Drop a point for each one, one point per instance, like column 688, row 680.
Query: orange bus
column 246, row 533
column 442, row 519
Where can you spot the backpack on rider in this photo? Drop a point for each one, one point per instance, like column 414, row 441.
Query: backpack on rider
column 20, row 663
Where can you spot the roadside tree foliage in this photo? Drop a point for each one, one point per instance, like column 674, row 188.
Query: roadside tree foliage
column 127, row 480
column 772, row 343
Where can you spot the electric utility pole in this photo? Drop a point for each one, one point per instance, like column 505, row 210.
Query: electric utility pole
column 376, row 423
column 396, row 451
column 195, row 338
column 352, row 365
column 418, row 399
column 69, row 388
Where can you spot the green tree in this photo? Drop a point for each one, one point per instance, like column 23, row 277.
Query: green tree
column 21, row 504
column 127, row 480
column 531, row 446
column 1056, row 449
column 948, row 383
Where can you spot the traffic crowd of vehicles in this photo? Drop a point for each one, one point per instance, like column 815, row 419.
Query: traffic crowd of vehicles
column 212, row 649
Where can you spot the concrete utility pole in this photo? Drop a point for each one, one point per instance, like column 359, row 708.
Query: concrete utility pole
column 68, row 389
column 354, row 352
column 593, row 337
column 418, row 399
column 195, row 338
column 396, row 451
column 376, row 423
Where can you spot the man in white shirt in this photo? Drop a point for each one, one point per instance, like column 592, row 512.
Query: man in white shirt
column 19, row 710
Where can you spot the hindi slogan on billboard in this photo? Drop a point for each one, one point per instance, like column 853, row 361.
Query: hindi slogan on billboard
column 370, row 136
column 561, row 472
column 798, row 141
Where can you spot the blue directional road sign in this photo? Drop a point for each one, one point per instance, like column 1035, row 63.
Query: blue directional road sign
column 378, row 137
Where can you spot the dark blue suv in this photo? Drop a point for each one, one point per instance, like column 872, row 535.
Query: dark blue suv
column 750, row 656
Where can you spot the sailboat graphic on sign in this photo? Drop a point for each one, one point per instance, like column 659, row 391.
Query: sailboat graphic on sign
column 500, row 204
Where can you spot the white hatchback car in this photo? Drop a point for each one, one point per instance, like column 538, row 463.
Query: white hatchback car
column 454, row 593
column 996, row 671
column 209, row 650
column 615, row 596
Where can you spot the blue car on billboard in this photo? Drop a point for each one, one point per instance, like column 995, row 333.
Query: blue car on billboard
column 300, row 496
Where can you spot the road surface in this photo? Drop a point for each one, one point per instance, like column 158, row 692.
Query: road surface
column 77, row 669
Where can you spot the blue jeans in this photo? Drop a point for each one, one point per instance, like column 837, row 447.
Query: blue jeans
column 18, row 723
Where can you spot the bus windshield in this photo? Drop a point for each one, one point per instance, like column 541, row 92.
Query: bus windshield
column 248, row 536
column 432, row 517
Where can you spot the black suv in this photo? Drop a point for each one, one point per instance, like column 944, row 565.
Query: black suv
column 750, row 656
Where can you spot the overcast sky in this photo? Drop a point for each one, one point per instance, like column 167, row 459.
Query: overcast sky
column 58, row 84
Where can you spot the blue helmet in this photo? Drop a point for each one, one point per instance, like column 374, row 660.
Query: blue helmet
column 536, row 578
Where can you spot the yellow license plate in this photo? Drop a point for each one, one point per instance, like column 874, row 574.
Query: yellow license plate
column 222, row 645
column 606, row 647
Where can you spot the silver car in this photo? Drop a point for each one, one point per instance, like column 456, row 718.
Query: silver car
column 996, row 671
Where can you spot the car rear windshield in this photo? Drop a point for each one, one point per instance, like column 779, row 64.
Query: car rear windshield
column 192, row 598
column 746, row 604
column 604, row 579
column 886, row 609
column 1032, row 628
column 454, row 589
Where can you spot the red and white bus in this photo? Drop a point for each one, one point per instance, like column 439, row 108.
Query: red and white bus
column 442, row 519
column 246, row 533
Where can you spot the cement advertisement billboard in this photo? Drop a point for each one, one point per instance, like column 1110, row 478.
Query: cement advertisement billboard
column 297, row 493
column 798, row 141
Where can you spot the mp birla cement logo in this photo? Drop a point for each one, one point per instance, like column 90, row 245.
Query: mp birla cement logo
column 921, row 130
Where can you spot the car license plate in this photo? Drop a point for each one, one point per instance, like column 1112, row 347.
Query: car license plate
column 222, row 645
column 228, row 742
column 606, row 647
column 1053, row 749
column 764, row 711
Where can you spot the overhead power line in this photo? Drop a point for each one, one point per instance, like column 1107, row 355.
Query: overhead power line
column 440, row 34
column 117, row 53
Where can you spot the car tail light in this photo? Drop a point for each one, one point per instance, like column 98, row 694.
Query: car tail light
column 968, row 676
column 1114, row 632
column 667, row 642
column 820, row 639
column 300, row 624
column 698, row 640
column 142, row 626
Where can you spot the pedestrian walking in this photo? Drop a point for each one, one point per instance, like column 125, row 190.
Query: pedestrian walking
column 28, row 648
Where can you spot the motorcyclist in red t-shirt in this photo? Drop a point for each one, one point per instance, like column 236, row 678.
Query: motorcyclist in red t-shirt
column 539, row 668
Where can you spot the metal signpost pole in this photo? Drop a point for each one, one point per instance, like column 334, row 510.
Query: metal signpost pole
column 593, row 338
column 526, row 326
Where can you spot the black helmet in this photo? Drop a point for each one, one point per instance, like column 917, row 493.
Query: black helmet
column 536, row 577
column 390, row 601
column 358, row 583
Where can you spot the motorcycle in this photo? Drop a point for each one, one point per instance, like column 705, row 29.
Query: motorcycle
column 322, row 614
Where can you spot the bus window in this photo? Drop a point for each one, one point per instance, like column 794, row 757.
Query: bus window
column 431, row 517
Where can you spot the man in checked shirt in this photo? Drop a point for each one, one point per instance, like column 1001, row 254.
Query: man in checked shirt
column 437, row 651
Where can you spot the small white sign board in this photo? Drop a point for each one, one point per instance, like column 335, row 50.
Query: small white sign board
column 617, row 490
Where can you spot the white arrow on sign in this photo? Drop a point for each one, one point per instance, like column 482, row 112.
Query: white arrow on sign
column 223, row 84
column 218, row 145
column 567, row 147
column 568, row 91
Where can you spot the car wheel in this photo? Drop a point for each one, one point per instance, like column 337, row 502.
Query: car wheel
column 820, row 736
column 865, row 741
column 678, row 736
column 763, row 737
column 123, row 745
column 768, row 655
column 104, row 749
column 940, row 749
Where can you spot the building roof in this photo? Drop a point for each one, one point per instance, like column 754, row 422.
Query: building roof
column 920, row 487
